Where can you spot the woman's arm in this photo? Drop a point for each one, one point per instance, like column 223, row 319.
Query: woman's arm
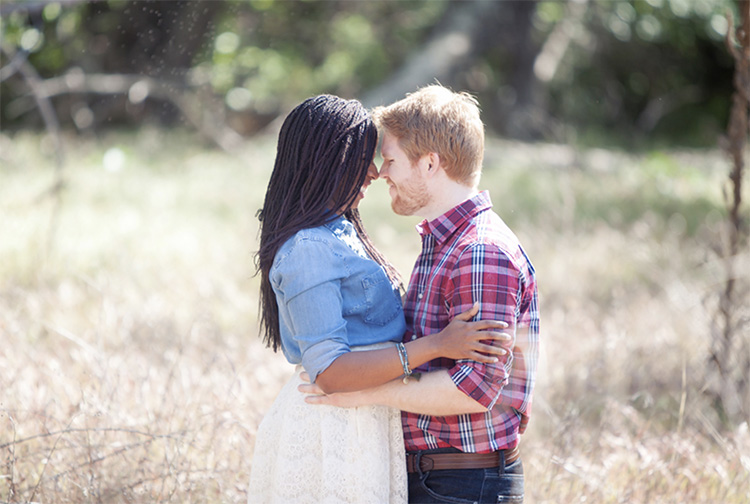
column 435, row 395
column 461, row 339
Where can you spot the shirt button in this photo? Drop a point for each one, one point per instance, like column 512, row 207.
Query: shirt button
column 419, row 296
column 413, row 336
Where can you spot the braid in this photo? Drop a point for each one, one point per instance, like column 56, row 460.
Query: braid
column 325, row 148
column 393, row 275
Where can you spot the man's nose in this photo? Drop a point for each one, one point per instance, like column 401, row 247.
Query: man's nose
column 383, row 172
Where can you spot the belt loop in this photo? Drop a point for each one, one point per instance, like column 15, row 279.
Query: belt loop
column 418, row 462
column 501, row 464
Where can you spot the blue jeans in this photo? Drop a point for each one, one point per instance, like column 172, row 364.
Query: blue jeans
column 461, row 486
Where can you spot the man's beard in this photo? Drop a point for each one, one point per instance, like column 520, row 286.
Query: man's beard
column 410, row 198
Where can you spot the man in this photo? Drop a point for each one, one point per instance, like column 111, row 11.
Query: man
column 462, row 420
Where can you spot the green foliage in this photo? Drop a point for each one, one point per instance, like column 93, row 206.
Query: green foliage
column 637, row 74
column 261, row 55
column 646, row 70
column 276, row 51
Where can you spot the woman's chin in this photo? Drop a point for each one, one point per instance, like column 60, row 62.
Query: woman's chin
column 357, row 201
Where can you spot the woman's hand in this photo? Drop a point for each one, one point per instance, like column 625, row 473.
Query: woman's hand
column 479, row 341
column 470, row 340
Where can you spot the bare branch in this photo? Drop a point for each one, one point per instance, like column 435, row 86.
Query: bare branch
column 138, row 88
column 35, row 6
column 450, row 46
column 171, row 435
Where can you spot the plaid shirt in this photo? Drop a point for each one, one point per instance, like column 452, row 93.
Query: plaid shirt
column 468, row 255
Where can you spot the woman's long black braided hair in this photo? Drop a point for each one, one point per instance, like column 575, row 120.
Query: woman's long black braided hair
column 325, row 148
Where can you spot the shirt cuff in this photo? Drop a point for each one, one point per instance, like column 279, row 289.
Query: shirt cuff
column 318, row 357
column 472, row 382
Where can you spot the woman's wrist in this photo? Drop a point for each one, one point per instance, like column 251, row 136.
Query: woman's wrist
column 405, row 365
column 423, row 350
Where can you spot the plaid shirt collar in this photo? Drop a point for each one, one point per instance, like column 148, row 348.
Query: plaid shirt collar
column 443, row 227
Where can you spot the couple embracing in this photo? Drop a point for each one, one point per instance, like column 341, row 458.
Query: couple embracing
column 421, row 400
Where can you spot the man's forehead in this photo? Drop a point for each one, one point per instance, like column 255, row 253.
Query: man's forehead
column 390, row 142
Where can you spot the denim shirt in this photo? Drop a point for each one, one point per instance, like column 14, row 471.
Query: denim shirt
column 332, row 296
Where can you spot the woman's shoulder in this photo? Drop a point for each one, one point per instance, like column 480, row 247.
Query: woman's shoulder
column 324, row 233
column 309, row 245
column 320, row 233
column 310, row 256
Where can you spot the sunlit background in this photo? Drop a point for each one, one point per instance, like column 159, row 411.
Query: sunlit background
column 137, row 140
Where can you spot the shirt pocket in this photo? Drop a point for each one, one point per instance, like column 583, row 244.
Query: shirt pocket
column 381, row 303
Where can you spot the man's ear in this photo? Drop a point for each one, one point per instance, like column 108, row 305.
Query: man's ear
column 432, row 163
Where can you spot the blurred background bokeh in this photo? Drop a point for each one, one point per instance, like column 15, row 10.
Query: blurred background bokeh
column 136, row 141
column 617, row 72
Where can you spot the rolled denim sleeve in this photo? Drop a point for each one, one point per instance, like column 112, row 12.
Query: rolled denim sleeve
column 307, row 281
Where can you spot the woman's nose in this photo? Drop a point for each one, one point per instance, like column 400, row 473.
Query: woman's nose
column 373, row 171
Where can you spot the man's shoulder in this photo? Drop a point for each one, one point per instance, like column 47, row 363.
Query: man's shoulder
column 488, row 231
column 489, row 241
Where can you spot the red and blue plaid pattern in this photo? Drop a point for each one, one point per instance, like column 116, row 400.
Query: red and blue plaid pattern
column 468, row 255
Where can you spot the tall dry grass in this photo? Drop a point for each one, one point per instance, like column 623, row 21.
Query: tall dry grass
column 131, row 371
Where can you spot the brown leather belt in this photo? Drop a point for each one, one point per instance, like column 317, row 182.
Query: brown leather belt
column 440, row 461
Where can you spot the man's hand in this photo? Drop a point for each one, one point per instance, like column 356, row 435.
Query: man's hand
column 340, row 399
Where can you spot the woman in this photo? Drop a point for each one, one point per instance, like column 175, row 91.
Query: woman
column 331, row 301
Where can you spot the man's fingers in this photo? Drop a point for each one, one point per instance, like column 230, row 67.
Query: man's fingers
column 316, row 399
column 310, row 388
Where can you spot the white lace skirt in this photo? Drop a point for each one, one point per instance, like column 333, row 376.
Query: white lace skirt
column 322, row 454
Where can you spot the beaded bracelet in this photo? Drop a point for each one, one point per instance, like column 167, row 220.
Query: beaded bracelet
column 404, row 358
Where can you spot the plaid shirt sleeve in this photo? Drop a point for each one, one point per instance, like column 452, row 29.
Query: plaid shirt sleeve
column 484, row 273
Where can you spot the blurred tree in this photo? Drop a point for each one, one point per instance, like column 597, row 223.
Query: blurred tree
column 465, row 31
column 78, row 38
column 584, row 70
column 456, row 53
column 728, row 376
column 645, row 69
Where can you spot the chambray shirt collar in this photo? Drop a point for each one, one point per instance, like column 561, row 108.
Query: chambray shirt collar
column 344, row 230
column 443, row 227
column 339, row 224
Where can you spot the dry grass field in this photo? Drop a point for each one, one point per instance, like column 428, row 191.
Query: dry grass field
column 131, row 370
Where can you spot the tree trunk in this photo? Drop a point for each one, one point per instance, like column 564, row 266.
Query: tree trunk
column 728, row 362
column 465, row 30
column 149, row 38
